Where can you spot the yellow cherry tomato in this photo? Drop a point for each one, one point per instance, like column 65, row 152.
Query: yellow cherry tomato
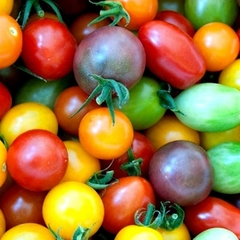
column 27, row 231
column 230, row 75
column 72, row 204
column 134, row 232
column 26, row 116
column 3, row 157
column 179, row 233
column 2, row 224
column 6, row 6
column 169, row 129
column 210, row 139
column 81, row 165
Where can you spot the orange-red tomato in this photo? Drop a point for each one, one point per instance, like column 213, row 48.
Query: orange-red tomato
column 218, row 43
column 10, row 41
column 103, row 139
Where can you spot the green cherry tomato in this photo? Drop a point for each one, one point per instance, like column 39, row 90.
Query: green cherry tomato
column 143, row 102
column 200, row 12
column 209, row 107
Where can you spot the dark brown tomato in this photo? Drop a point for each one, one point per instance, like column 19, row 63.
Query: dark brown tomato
column 180, row 172
column 111, row 52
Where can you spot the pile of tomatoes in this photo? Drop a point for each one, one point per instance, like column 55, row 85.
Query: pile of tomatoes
column 119, row 119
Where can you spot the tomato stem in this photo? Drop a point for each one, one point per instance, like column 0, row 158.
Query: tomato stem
column 103, row 93
column 112, row 9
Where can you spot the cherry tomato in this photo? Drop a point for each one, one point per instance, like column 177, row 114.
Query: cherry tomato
column 103, row 139
column 37, row 160
column 3, row 167
column 169, row 128
column 141, row 148
column 11, row 40
column 122, row 199
column 20, row 205
column 26, row 116
column 2, row 223
column 218, row 44
column 28, row 231
column 132, row 232
column 72, row 204
column 5, row 99
column 67, row 103
column 6, row 6
column 81, row 165
column 48, row 48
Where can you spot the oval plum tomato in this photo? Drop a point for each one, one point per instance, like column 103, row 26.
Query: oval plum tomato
column 3, row 167
column 26, row 116
column 212, row 212
column 141, row 148
column 103, row 139
column 169, row 128
column 171, row 54
column 5, row 99
column 132, row 232
column 122, row 199
column 37, row 160
column 6, row 6
column 80, row 28
column 67, row 103
column 201, row 12
column 2, row 223
column 11, row 40
column 176, row 19
column 180, row 172
column 218, row 44
column 20, row 205
column 230, row 75
column 81, row 165
column 48, row 48
column 72, row 204
column 140, row 12
column 28, row 231
column 179, row 233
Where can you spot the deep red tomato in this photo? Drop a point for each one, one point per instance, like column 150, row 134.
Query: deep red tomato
column 176, row 19
column 171, row 54
column 141, row 147
column 212, row 212
column 37, row 160
column 122, row 199
column 5, row 100
column 20, row 205
column 48, row 48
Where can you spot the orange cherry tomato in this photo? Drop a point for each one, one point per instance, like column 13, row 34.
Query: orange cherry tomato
column 2, row 223
column 218, row 43
column 103, row 139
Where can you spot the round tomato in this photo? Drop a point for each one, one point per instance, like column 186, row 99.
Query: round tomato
column 122, row 199
column 132, row 232
column 20, row 205
column 101, row 137
column 72, row 204
column 169, row 128
column 81, row 165
column 37, row 160
column 218, row 44
column 66, row 104
column 48, row 48
column 6, row 6
column 26, row 116
column 5, row 99
column 2, row 223
column 11, row 40
column 28, row 231
column 216, row 233
column 3, row 167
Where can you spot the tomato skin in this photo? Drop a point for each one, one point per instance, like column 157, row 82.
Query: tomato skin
column 182, row 65
column 122, row 199
column 33, row 164
column 5, row 99
column 3, row 169
column 212, row 212
column 132, row 232
column 43, row 52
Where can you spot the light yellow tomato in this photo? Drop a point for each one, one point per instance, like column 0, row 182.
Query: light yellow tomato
column 179, row 233
column 3, row 157
column 230, row 75
column 26, row 116
column 81, row 165
column 27, row 231
column 6, row 6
